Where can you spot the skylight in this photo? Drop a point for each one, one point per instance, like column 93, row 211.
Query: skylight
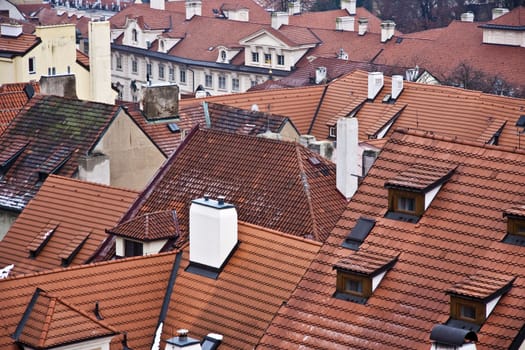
column 359, row 232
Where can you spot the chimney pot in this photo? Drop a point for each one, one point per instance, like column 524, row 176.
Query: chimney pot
column 220, row 200
column 182, row 333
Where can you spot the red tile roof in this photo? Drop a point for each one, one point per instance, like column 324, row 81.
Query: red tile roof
column 17, row 46
column 79, row 210
column 12, row 99
column 149, row 227
column 239, row 304
column 514, row 18
column 125, row 305
column 51, row 149
column 458, row 239
column 273, row 184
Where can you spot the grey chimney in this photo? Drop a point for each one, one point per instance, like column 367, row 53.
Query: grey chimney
column 160, row 101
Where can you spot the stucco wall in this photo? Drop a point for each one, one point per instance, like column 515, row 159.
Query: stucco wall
column 133, row 157
column 6, row 220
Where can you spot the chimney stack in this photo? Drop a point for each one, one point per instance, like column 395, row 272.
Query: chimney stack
column 345, row 24
column 362, row 26
column 349, row 6
column 375, row 84
column 213, row 232
column 160, row 101
column 294, row 7
column 11, row 30
column 193, row 8
column 100, row 63
column 157, row 4
column 320, row 75
column 387, row 30
column 279, row 19
column 467, row 17
column 498, row 12
column 347, row 164
column 397, row 86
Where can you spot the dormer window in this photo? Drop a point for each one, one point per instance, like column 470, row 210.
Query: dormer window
column 473, row 299
column 132, row 248
column 223, row 55
column 360, row 274
column 515, row 225
column 134, row 35
column 411, row 192
column 332, row 132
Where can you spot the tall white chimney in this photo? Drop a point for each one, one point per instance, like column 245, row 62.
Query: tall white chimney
column 397, row 86
column 498, row 12
column 349, row 6
column 362, row 26
column 193, row 8
column 294, row 7
column 100, row 63
column 157, row 4
column 387, row 30
column 279, row 19
column 375, row 84
column 213, row 231
column 347, row 156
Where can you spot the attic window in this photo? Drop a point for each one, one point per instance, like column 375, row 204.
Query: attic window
column 359, row 275
column 473, row 299
column 359, row 232
column 515, row 225
column 39, row 242
column 132, row 248
column 173, row 127
column 411, row 192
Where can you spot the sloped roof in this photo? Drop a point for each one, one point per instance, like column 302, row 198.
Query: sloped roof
column 274, row 184
column 17, row 46
column 149, row 227
column 465, row 40
column 81, row 210
column 459, row 236
column 12, row 99
column 59, row 131
column 513, row 19
column 124, row 304
column 240, row 304
column 43, row 323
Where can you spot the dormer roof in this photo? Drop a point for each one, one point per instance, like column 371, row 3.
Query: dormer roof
column 367, row 263
column 483, row 286
column 149, row 227
column 420, row 178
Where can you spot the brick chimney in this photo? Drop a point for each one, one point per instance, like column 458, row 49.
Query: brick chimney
column 213, row 232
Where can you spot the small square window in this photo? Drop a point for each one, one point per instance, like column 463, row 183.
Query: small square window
column 332, row 132
column 467, row 312
column 132, row 248
column 353, row 286
column 406, row 204
column 255, row 57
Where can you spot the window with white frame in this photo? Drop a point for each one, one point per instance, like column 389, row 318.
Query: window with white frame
column 134, row 66
column 171, row 73
column 222, row 82
column 280, row 60
column 208, row 80
column 31, row 65
column 235, row 84
column 161, row 71
column 255, row 57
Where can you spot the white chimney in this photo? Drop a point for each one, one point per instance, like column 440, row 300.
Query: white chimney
column 347, row 156
column 467, row 17
column 345, row 24
column 320, row 74
column 498, row 12
column 213, row 231
column 387, row 30
column 157, row 4
column 100, row 63
column 362, row 26
column 397, row 85
column 279, row 19
column 349, row 6
column 375, row 84
column 183, row 341
column 193, row 8
column 12, row 30
column 294, row 7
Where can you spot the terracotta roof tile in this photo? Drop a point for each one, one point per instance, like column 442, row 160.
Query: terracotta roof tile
column 79, row 210
column 12, row 99
column 149, row 227
column 82, row 123
column 514, row 18
column 273, row 183
column 456, row 245
column 17, row 46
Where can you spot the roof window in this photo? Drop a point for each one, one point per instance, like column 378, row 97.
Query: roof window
column 359, row 275
column 71, row 250
column 411, row 191
column 359, row 232
column 39, row 242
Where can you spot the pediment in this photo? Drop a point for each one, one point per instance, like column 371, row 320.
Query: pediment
column 262, row 38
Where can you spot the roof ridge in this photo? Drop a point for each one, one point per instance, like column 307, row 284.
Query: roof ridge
column 455, row 139
column 96, row 184
column 306, row 190
column 282, row 234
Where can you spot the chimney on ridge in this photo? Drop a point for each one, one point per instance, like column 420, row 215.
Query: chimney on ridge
column 498, row 12
column 294, row 7
column 193, row 8
column 157, row 4
column 467, row 16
